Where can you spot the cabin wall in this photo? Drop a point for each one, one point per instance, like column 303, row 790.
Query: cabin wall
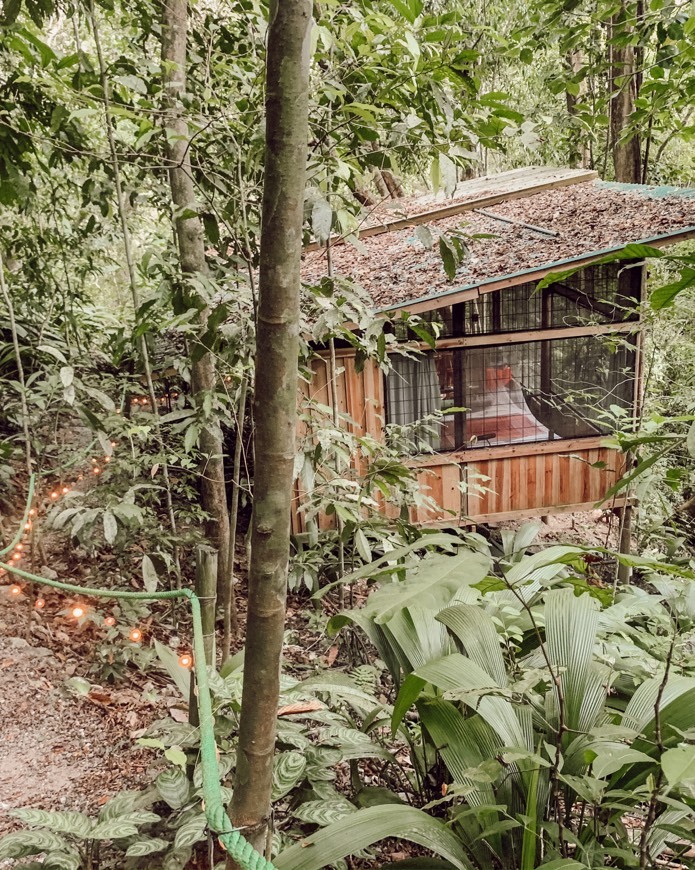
column 471, row 486
column 359, row 398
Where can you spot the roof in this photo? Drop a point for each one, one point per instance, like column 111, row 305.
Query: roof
column 570, row 218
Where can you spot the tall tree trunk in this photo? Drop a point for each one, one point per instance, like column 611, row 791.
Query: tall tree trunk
column 623, row 83
column 275, row 399
column 578, row 152
column 191, row 244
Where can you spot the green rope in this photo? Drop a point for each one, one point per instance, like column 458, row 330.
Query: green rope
column 237, row 847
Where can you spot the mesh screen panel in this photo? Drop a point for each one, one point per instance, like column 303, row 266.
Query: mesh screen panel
column 530, row 391
column 599, row 294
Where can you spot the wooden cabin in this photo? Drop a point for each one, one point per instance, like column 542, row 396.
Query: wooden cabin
column 542, row 375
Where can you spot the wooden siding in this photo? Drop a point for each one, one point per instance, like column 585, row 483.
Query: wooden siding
column 469, row 486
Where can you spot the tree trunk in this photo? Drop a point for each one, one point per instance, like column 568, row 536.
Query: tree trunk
column 623, row 82
column 578, row 152
column 275, row 399
column 191, row 244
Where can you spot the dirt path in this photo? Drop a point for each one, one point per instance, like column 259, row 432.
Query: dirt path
column 60, row 749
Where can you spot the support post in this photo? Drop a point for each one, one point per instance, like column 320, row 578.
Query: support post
column 206, row 590
column 625, row 543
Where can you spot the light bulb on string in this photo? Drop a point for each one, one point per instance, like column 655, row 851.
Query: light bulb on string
column 78, row 611
column 135, row 635
column 54, row 494
column 19, row 546
column 186, row 660
column 39, row 604
column 109, row 621
column 66, row 490
column 32, row 513
column 15, row 590
column 16, row 557
column 96, row 470
column 107, row 459
column 113, row 443
column 27, row 527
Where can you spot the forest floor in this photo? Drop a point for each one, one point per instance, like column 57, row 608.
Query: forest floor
column 69, row 736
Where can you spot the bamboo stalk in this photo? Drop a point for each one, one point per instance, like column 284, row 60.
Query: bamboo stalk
column 206, row 590
column 275, row 401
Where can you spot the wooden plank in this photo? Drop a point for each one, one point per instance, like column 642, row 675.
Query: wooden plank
column 528, row 448
column 540, row 511
column 530, row 335
column 536, row 184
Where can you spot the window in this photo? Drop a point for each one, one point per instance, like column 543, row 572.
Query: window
column 514, row 393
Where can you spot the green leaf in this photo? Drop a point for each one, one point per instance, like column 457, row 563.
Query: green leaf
column 62, row 861
column 288, row 770
column 176, row 756
column 449, row 256
column 368, row 826
column 126, row 802
column 149, row 574
column 73, row 823
column 690, row 440
column 52, row 351
column 146, row 846
column 114, row 829
column 424, row 235
column 563, row 864
column 67, row 375
column 174, row 787
column 22, row 843
column 679, row 764
column 664, row 297
column 191, row 831
column 180, row 676
column 433, row 584
column 478, row 637
column 321, row 219
column 323, row 812
column 110, row 527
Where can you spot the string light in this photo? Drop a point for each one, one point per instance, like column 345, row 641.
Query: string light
column 109, row 621
column 19, row 546
column 15, row 589
column 135, row 635
column 54, row 494
column 66, row 490
column 185, row 660
column 27, row 527
column 113, row 443
column 107, row 459
column 39, row 604
column 94, row 461
column 78, row 612
column 16, row 556
column 32, row 513
column 96, row 470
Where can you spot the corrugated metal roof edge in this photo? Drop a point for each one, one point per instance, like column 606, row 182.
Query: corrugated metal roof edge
column 682, row 234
